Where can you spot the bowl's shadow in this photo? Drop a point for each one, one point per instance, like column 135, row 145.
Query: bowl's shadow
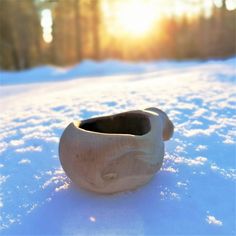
column 77, row 212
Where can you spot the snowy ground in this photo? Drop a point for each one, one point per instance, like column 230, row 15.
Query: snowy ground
column 194, row 193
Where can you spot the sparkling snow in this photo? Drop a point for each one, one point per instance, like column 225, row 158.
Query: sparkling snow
column 193, row 194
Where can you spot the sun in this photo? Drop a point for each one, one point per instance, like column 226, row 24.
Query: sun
column 131, row 17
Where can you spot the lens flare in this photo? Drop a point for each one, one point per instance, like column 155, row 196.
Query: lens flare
column 130, row 18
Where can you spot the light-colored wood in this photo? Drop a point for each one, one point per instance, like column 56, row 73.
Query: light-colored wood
column 115, row 153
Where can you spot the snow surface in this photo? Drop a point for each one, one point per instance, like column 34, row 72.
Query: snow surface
column 194, row 193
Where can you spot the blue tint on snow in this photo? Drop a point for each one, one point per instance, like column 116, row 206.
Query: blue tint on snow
column 193, row 194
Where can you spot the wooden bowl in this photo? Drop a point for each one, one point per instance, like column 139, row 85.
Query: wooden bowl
column 115, row 153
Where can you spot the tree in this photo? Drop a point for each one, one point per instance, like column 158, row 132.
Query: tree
column 20, row 34
column 77, row 7
column 95, row 7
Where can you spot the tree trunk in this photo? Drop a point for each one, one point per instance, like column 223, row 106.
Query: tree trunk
column 96, row 28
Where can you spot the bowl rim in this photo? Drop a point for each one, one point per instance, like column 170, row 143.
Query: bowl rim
column 148, row 114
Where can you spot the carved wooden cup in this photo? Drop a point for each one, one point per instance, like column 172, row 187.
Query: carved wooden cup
column 115, row 153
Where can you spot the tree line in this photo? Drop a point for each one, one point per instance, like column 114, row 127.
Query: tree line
column 79, row 33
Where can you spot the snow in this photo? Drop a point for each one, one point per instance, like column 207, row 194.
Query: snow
column 193, row 194
column 213, row 220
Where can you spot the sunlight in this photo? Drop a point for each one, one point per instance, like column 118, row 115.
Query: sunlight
column 46, row 23
column 231, row 5
column 130, row 18
column 137, row 18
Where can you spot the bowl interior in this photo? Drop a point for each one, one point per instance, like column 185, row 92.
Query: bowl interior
column 124, row 123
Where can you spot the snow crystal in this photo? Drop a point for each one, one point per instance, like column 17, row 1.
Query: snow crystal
column 213, row 220
column 3, row 146
column 1, row 202
column 180, row 149
column 197, row 161
column 170, row 169
column 24, row 161
column 3, row 179
column 180, row 184
column 16, row 142
column 92, row 219
column 62, row 187
column 29, row 149
column 201, row 147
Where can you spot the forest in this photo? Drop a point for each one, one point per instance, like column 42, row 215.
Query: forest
column 81, row 29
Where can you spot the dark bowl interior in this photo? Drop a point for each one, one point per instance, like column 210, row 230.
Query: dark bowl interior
column 124, row 123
